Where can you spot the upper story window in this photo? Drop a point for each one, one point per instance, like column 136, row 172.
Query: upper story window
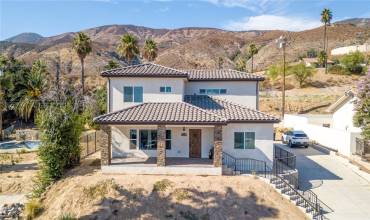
column 133, row 94
column 212, row 91
column 165, row 89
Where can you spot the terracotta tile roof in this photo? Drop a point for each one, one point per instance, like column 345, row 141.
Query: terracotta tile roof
column 197, row 109
column 155, row 70
column 232, row 112
column 146, row 70
column 156, row 113
column 221, row 74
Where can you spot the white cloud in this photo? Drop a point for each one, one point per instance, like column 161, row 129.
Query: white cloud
column 164, row 9
column 272, row 22
column 258, row 6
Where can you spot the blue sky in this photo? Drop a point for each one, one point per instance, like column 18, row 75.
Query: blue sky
column 51, row 17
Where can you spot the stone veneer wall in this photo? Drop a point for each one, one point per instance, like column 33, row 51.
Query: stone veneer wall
column 161, row 145
column 217, row 156
column 105, row 144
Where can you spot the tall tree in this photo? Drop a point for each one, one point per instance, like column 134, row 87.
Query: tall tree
column 150, row 50
column 252, row 51
column 326, row 17
column 29, row 99
column 128, row 47
column 82, row 45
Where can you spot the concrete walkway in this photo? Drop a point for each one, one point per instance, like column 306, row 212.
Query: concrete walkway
column 336, row 183
column 12, row 198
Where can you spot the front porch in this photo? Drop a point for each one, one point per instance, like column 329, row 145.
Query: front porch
column 179, row 155
column 174, row 166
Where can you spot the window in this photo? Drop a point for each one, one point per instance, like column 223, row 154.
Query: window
column 212, row 91
column 244, row 140
column 165, row 89
column 148, row 139
column 133, row 94
column 168, row 139
column 133, row 138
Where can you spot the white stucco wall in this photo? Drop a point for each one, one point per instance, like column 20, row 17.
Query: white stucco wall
column 151, row 92
column 240, row 92
column 179, row 148
column 264, row 141
column 337, row 139
column 343, row 118
column 180, row 144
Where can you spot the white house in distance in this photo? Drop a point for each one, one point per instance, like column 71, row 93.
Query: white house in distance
column 166, row 121
column 335, row 130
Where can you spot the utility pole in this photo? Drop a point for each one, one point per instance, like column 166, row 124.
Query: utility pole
column 282, row 44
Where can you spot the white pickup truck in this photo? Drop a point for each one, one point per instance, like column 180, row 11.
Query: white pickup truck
column 295, row 138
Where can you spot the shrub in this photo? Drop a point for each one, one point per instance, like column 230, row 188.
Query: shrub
column 32, row 209
column 67, row 216
column 60, row 129
column 352, row 63
column 362, row 117
column 337, row 69
column 100, row 189
column 162, row 185
column 301, row 73
column 181, row 194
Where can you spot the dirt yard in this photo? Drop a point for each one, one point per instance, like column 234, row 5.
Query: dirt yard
column 17, row 177
column 88, row 194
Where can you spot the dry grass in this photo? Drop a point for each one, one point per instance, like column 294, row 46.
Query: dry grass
column 92, row 195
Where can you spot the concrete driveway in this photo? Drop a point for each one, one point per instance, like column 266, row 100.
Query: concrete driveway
column 336, row 183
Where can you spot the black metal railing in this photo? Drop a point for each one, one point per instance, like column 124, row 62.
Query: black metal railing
column 285, row 157
column 283, row 174
column 88, row 144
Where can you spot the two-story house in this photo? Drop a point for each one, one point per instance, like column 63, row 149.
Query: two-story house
column 162, row 120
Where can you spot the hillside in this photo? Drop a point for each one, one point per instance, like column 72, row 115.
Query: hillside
column 28, row 38
column 194, row 47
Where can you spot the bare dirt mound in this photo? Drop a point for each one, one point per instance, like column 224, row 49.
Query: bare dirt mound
column 88, row 194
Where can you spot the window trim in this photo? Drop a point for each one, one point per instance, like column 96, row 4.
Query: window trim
column 133, row 139
column 138, row 137
column 212, row 91
column 245, row 140
column 134, row 95
column 166, row 89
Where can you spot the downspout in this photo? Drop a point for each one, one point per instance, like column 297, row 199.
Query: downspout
column 108, row 98
column 257, row 96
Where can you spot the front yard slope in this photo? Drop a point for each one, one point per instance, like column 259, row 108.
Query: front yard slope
column 87, row 194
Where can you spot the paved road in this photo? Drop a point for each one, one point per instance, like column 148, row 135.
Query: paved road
column 335, row 182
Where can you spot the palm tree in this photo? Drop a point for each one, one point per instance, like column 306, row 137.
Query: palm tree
column 82, row 45
column 150, row 50
column 326, row 17
column 5, row 84
column 111, row 65
column 252, row 51
column 128, row 48
column 33, row 86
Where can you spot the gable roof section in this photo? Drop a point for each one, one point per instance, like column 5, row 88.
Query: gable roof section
column 144, row 70
column 155, row 70
column 161, row 113
column 232, row 112
column 221, row 75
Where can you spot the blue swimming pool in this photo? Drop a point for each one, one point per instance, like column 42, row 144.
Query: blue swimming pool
column 31, row 145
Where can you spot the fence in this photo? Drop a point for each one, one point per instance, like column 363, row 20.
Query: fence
column 88, row 143
column 362, row 148
column 285, row 157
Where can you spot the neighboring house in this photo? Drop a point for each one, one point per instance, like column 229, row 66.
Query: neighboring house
column 365, row 48
column 173, row 118
column 335, row 131
column 314, row 62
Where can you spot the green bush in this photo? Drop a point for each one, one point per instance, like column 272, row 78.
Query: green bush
column 162, row 185
column 67, row 216
column 352, row 63
column 32, row 209
column 337, row 69
column 301, row 73
column 60, row 129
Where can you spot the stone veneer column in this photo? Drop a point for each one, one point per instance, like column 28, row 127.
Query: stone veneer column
column 105, row 143
column 217, row 155
column 161, row 145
